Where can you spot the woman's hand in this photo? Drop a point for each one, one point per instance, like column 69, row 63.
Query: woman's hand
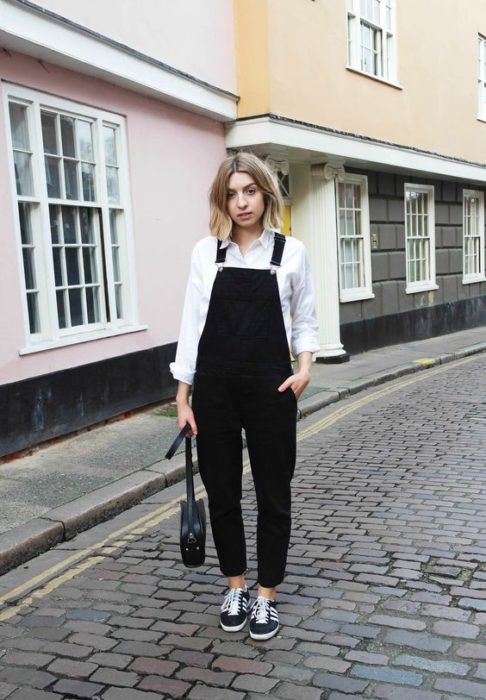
column 300, row 379
column 184, row 411
column 297, row 382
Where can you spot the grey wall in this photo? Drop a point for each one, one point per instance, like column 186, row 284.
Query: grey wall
column 387, row 221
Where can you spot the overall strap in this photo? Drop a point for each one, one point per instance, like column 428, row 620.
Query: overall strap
column 278, row 249
column 220, row 254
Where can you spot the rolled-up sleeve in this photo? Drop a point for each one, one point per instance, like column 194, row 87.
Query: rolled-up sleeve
column 184, row 367
column 305, row 329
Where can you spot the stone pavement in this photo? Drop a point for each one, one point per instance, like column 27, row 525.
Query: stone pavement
column 385, row 595
column 63, row 488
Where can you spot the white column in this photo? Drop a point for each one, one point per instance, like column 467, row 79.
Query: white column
column 325, row 260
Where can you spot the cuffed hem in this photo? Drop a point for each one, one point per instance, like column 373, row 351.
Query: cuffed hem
column 181, row 374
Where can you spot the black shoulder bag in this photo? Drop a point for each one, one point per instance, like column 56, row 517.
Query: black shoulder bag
column 193, row 513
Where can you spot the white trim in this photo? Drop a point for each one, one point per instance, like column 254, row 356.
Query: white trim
column 391, row 83
column 41, row 34
column 351, row 149
column 482, row 78
column 81, row 338
column 430, row 284
column 366, row 292
column 355, row 20
column 51, row 334
column 480, row 276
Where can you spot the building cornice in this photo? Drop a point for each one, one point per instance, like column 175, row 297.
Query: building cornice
column 326, row 143
column 28, row 28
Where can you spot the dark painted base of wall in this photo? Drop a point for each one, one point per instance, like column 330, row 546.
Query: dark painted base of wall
column 39, row 409
column 414, row 325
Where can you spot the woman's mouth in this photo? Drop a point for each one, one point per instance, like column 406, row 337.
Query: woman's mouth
column 244, row 215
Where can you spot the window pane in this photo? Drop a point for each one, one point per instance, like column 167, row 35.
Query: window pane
column 23, row 173
column 114, row 226
column 33, row 309
column 85, row 140
column 87, row 177
column 25, row 223
column 116, row 264
column 57, row 260
column 52, row 177
column 49, row 135
column 89, row 259
column 61, row 308
column 112, row 185
column 92, row 304
column 119, row 301
column 29, row 271
column 86, row 224
column 109, row 137
column 69, row 225
column 72, row 266
column 71, row 179
column 75, row 307
column 67, row 135
column 18, row 126
column 54, row 219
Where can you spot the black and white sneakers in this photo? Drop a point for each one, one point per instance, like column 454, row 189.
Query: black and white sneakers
column 263, row 619
column 234, row 610
column 263, row 616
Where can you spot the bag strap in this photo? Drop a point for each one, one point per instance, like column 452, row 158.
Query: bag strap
column 189, row 467
column 173, row 448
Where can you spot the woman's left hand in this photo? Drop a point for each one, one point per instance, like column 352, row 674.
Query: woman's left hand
column 297, row 382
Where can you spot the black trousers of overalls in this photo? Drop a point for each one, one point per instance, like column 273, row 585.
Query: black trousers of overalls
column 243, row 357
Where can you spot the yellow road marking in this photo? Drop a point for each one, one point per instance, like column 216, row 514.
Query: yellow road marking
column 113, row 542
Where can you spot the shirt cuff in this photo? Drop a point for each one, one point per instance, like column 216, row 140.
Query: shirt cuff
column 182, row 374
column 306, row 344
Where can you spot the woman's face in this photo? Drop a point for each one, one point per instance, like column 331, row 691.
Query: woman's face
column 245, row 201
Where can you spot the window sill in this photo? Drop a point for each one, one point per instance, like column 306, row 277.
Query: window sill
column 356, row 296
column 80, row 338
column 376, row 78
column 473, row 280
column 422, row 288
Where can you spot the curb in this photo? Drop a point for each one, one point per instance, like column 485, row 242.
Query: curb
column 60, row 524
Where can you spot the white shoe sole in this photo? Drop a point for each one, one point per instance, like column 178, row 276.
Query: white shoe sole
column 262, row 637
column 233, row 628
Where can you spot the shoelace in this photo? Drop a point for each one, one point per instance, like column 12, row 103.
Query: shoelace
column 232, row 601
column 261, row 610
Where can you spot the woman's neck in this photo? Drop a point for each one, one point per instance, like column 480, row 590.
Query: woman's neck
column 244, row 237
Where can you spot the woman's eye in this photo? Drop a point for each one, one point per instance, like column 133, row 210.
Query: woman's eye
column 251, row 191
column 230, row 195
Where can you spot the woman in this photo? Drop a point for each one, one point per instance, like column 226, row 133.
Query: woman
column 249, row 294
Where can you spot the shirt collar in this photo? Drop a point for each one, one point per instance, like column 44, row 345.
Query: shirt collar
column 265, row 239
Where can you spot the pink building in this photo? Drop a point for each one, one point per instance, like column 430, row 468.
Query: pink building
column 111, row 129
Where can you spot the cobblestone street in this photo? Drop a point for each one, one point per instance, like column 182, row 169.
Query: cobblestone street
column 385, row 595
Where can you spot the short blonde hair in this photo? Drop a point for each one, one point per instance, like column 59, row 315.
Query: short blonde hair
column 220, row 221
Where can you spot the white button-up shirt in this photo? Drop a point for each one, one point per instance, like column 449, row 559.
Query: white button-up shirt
column 294, row 284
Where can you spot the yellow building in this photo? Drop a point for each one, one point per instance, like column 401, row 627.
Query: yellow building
column 376, row 110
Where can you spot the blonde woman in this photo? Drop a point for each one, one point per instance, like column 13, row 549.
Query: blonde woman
column 249, row 297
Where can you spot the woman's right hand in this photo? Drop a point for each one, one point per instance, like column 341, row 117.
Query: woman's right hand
column 186, row 415
column 184, row 410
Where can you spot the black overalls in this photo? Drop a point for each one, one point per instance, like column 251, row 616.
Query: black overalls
column 243, row 356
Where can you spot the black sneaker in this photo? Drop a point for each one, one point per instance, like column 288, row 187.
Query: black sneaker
column 234, row 611
column 264, row 619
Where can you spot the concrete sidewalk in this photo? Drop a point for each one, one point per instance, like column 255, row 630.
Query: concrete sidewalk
column 61, row 489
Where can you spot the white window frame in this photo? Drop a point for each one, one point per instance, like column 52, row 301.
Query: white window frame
column 366, row 290
column 480, row 275
column 430, row 283
column 482, row 78
column 387, row 49
column 51, row 335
